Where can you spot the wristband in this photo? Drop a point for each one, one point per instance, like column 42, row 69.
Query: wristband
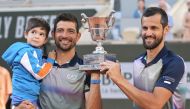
column 95, row 81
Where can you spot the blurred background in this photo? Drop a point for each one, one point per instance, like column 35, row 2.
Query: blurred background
column 123, row 39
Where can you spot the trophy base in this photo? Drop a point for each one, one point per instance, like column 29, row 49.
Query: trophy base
column 92, row 61
column 89, row 67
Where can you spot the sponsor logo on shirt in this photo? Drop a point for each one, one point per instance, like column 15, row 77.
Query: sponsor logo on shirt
column 168, row 80
column 71, row 77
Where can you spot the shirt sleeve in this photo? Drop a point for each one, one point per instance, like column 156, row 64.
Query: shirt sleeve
column 171, row 75
column 36, row 67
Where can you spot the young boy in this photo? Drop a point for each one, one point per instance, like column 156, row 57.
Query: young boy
column 27, row 64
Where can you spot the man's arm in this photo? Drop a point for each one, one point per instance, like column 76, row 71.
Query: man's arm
column 7, row 83
column 147, row 100
column 93, row 97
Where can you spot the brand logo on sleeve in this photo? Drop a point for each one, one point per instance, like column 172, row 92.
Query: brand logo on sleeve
column 168, row 80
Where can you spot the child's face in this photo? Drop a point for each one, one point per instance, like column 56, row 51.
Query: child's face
column 36, row 37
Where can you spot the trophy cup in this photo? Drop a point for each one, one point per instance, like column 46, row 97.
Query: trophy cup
column 98, row 27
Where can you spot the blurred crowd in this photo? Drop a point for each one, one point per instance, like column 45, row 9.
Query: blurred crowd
column 179, row 35
column 183, row 34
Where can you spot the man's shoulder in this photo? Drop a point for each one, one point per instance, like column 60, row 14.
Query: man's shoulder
column 174, row 58
column 78, row 59
column 173, row 64
column 140, row 57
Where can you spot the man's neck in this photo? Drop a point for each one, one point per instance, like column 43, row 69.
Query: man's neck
column 151, row 54
column 64, row 56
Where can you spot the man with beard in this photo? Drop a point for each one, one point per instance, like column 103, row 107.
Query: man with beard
column 65, row 87
column 157, row 72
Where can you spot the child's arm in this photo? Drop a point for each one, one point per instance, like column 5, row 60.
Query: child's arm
column 33, row 65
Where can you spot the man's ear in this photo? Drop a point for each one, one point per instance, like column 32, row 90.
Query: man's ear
column 166, row 30
column 78, row 36
column 53, row 34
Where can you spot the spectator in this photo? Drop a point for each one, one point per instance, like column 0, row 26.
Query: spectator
column 116, row 30
column 140, row 9
column 188, row 4
column 166, row 7
column 5, row 87
column 186, row 31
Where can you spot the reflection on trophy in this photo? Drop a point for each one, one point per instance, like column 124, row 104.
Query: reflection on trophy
column 98, row 27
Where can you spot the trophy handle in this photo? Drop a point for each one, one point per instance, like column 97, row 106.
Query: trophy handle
column 84, row 20
column 111, row 19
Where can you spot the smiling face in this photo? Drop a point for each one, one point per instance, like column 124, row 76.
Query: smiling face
column 36, row 37
column 153, row 32
column 66, row 35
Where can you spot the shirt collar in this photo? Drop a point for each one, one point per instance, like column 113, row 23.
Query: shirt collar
column 70, row 63
column 161, row 54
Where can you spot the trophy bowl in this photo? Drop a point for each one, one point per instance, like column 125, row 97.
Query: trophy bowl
column 98, row 28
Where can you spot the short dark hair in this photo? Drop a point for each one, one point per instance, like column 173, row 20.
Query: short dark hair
column 37, row 22
column 156, row 10
column 66, row 17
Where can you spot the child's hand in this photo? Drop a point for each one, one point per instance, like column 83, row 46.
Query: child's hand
column 25, row 105
column 52, row 54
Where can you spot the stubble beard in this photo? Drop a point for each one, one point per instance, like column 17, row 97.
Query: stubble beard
column 64, row 48
column 154, row 44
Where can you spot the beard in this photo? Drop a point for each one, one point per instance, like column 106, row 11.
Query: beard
column 152, row 45
column 63, row 47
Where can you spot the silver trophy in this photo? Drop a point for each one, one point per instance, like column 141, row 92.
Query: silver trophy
column 98, row 27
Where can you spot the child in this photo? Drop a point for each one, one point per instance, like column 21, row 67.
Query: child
column 27, row 64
